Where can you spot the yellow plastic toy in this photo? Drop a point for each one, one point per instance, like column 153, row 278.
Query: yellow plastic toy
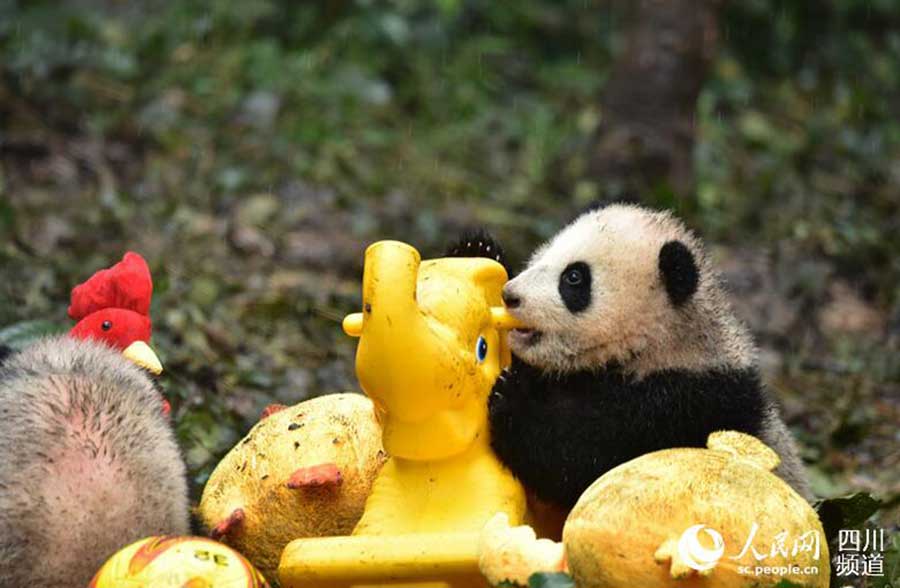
column 432, row 344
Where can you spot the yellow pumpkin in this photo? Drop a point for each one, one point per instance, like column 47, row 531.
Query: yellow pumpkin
column 304, row 471
column 690, row 517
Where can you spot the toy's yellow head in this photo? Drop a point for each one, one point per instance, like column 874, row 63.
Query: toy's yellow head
column 432, row 343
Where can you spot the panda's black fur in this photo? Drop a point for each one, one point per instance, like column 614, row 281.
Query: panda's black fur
column 558, row 434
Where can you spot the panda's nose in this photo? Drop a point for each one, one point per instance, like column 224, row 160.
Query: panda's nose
column 510, row 299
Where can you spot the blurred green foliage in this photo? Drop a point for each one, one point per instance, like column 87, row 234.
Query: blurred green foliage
column 799, row 132
column 446, row 99
column 450, row 99
column 251, row 148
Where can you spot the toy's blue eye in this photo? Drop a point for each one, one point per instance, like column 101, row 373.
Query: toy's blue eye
column 481, row 349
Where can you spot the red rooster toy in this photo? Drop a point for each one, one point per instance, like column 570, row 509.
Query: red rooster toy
column 113, row 306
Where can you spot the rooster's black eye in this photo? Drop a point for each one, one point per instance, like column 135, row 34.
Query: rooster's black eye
column 106, row 325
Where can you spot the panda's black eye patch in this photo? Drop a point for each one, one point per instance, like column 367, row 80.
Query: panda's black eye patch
column 575, row 286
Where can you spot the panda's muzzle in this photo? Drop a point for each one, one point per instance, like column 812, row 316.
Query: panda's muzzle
column 510, row 300
column 524, row 337
column 521, row 337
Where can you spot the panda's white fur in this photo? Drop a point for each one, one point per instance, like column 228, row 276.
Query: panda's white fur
column 652, row 331
column 630, row 320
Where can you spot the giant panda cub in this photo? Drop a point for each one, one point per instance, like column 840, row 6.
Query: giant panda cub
column 630, row 347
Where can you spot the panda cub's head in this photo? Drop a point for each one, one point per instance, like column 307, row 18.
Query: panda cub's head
column 619, row 284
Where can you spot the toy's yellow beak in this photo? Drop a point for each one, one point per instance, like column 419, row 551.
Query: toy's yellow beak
column 503, row 321
column 141, row 354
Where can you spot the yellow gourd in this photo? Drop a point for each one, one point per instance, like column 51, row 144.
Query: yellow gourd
column 677, row 518
column 303, row 471
column 691, row 517
column 432, row 343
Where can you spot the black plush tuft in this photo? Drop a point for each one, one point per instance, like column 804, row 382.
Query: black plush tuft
column 679, row 271
column 558, row 434
column 477, row 243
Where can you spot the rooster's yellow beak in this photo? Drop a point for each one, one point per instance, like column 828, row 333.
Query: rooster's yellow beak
column 141, row 354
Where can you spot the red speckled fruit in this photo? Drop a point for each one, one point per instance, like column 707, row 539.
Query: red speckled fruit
column 177, row 562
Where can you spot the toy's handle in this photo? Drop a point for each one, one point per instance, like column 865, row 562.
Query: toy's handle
column 449, row 560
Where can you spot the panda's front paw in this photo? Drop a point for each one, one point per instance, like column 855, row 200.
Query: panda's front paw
column 510, row 404
column 506, row 387
column 498, row 399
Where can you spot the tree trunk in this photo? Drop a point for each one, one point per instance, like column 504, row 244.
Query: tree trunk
column 646, row 135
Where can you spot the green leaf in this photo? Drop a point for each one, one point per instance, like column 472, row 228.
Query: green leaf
column 20, row 335
column 7, row 216
column 785, row 583
column 846, row 512
column 554, row 580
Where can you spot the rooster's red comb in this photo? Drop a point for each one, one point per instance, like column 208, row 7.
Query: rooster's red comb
column 125, row 285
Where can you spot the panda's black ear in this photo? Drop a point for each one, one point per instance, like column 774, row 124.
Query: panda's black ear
column 476, row 243
column 679, row 271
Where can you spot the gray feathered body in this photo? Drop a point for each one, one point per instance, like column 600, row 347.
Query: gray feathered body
column 88, row 463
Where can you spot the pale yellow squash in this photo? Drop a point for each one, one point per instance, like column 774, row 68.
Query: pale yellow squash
column 304, row 471
column 692, row 517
